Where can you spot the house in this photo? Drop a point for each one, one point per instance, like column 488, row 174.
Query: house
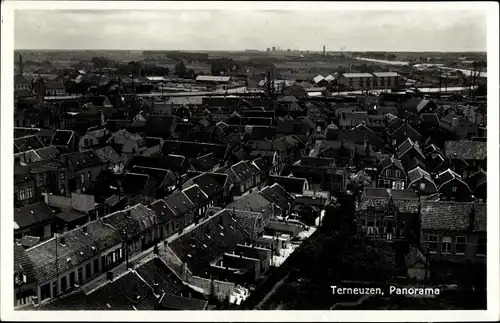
column 403, row 133
column 210, row 186
column 477, row 183
column 66, row 141
column 24, row 277
column 35, row 220
column 138, row 185
column 23, row 144
column 452, row 187
column 391, row 174
column 255, row 202
column 162, row 126
column 279, row 196
column 183, row 208
column 22, row 83
column 83, row 169
column 454, row 231
column 472, row 153
column 127, row 144
column 200, row 200
column 92, row 138
column 25, row 189
column 243, row 178
column 388, row 214
column 170, row 222
column 349, row 120
column 360, row 136
column 293, row 185
column 164, row 179
column 418, row 105
column 417, row 265
column 109, row 157
column 421, row 181
column 387, row 80
column 407, row 152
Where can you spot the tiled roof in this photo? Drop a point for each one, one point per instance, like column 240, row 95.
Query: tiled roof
column 452, row 216
column 196, row 195
column 391, row 161
column 446, row 176
column 290, row 184
column 208, row 184
column 32, row 214
column 414, row 257
column 468, row 150
column 278, row 195
column 242, row 171
column 70, row 215
column 134, row 220
column 179, row 203
column 28, row 241
column 418, row 173
column 161, row 177
column 254, row 202
column 171, row 302
column 405, row 201
column 156, row 270
column 163, row 211
column 77, row 248
column 208, row 241
column 108, row 154
column 262, row 164
column 82, row 160
column 205, row 163
column 406, row 146
column 23, row 264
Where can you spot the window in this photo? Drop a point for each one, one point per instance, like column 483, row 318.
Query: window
column 45, row 292
column 39, row 180
column 432, row 242
column 446, row 247
column 382, row 81
column 64, row 283
column 387, row 183
column 481, row 247
column 375, row 82
column 350, row 82
column 398, row 173
column 460, row 246
column 422, row 186
column 388, row 81
column 21, row 194
column 82, row 179
column 88, row 270
column 360, row 82
column 72, row 279
column 80, row 275
column 96, row 265
column 62, row 176
column 30, row 192
column 388, row 173
column 89, row 175
column 452, row 198
column 454, row 189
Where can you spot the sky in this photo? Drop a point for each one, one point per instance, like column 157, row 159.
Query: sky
column 258, row 29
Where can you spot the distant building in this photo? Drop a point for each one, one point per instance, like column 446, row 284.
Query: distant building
column 356, row 81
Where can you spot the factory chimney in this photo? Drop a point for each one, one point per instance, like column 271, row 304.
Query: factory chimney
column 21, row 66
column 324, row 50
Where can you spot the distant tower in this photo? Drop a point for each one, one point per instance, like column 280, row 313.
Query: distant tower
column 274, row 48
column 324, row 50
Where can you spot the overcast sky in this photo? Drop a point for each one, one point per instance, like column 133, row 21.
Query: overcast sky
column 237, row 30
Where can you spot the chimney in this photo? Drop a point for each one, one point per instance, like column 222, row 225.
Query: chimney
column 454, row 122
column 84, row 229
column 21, row 65
column 156, row 287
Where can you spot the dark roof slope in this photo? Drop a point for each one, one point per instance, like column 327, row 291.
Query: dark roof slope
column 32, row 214
column 454, row 216
column 468, row 150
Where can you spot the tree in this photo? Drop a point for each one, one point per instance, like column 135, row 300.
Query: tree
column 180, row 68
column 100, row 62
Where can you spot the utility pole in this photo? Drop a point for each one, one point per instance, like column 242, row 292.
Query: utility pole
column 57, row 264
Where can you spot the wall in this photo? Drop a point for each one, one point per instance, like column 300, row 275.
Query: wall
column 237, row 261
column 417, row 273
column 470, row 246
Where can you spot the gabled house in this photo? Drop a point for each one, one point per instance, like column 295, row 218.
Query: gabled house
column 83, row 169
column 407, row 152
column 210, row 186
column 452, row 187
column 165, row 180
column 454, row 231
column 138, row 185
column 421, row 181
column 200, row 201
column 293, row 185
column 92, row 138
column 391, row 174
column 404, row 132
column 418, row 106
column 127, row 144
column 182, row 207
column 36, row 220
column 243, row 178
column 477, row 183
column 279, row 196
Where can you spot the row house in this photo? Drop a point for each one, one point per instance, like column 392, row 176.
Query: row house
column 66, row 141
column 183, row 208
column 35, row 220
column 454, row 231
column 208, row 183
column 391, row 174
column 279, row 196
column 388, row 214
column 408, row 151
column 246, row 177
column 293, row 185
column 404, row 132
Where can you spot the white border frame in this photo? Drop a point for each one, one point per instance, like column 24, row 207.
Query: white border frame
column 7, row 30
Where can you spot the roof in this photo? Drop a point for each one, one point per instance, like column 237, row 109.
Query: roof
column 208, row 241
column 156, row 270
column 242, row 171
column 107, row 155
column 163, row 211
column 179, row 203
column 289, row 183
column 453, row 216
column 477, row 179
column 448, row 175
column 406, row 146
column 391, row 162
column 318, row 79
column 196, row 195
column 416, row 103
column 357, row 75
column 404, row 201
column 82, row 160
column 134, row 220
column 62, row 137
column 205, row 163
column 415, row 256
column 32, row 214
column 278, row 195
column 22, row 263
column 209, row 78
column 418, row 173
column 385, row 74
column 27, row 143
column 254, row 202
column 78, row 248
column 71, row 215
column 208, row 184
column 467, row 150
column 28, row 241
column 134, row 183
column 171, row 302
